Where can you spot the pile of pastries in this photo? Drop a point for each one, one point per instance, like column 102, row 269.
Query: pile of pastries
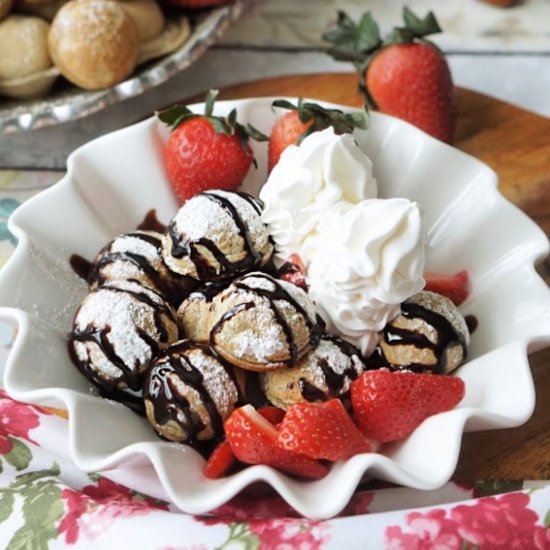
column 185, row 320
column 92, row 43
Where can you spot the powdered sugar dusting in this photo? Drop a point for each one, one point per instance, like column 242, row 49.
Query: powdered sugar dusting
column 202, row 217
column 338, row 361
column 216, row 381
column 120, row 314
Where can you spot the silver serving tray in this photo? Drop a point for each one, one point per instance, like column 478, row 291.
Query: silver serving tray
column 68, row 102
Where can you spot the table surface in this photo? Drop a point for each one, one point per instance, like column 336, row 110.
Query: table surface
column 504, row 53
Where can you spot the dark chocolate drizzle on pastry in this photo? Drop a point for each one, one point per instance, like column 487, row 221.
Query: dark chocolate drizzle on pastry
column 131, row 376
column 181, row 247
column 278, row 293
column 447, row 337
column 335, row 381
column 168, row 404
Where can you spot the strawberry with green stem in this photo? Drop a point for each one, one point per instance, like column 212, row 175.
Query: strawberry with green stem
column 206, row 151
column 305, row 118
column 404, row 75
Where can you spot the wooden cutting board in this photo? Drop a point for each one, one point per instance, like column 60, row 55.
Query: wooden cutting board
column 516, row 144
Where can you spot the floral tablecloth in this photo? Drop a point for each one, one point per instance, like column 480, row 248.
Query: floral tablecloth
column 47, row 503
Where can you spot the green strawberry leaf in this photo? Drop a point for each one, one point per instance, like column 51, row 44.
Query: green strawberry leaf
column 6, row 504
column 368, row 34
column 420, row 27
column 283, row 103
column 20, row 455
column 255, row 134
column 211, row 97
column 173, row 116
column 547, row 520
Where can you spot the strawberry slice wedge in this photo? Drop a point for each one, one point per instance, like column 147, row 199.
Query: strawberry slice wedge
column 321, row 430
column 390, row 405
column 454, row 287
column 220, row 461
column 253, row 440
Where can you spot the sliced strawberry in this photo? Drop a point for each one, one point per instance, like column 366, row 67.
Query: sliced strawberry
column 253, row 440
column 390, row 405
column 220, row 461
column 321, row 430
column 272, row 414
column 294, row 271
column 454, row 287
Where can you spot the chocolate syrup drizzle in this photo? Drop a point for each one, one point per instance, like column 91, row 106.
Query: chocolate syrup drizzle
column 168, row 404
column 335, row 381
column 278, row 293
column 181, row 247
column 174, row 289
column 131, row 374
column 152, row 223
column 447, row 337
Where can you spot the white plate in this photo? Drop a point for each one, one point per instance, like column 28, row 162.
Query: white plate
column 111, row 184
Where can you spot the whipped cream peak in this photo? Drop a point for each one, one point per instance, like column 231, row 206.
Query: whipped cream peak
column 364, row 256
column 368, row 261
column 325, row 172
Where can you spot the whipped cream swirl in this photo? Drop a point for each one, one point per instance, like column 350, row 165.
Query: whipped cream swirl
column 364, row 255
column 326, row 172
column 369, row 260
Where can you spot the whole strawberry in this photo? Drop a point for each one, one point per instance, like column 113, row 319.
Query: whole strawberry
column 403, row 75
column 205, row 151
column 304, row 119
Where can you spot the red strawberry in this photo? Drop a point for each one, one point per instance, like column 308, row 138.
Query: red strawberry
column 321, row 430
column 294, row 271
column 404, row 75
column 206, row 152
column 454, row 287
column 253, row 440
column 304, row 119
column 220, row 461
column 390, row 405
column 274, row 415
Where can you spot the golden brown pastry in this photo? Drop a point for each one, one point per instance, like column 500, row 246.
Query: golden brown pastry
column 189, row 392
column 147, row 17
column 325, row 372
column 430, row 335
column 261, row 323
column 217, row 235
column 118, row 331
column 94, row 43
column 23, row 46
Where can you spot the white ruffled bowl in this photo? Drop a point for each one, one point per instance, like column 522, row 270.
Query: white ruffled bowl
column 115, row 180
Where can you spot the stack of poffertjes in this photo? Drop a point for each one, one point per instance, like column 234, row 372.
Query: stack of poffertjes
column 92, row 43
column 182, row 321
